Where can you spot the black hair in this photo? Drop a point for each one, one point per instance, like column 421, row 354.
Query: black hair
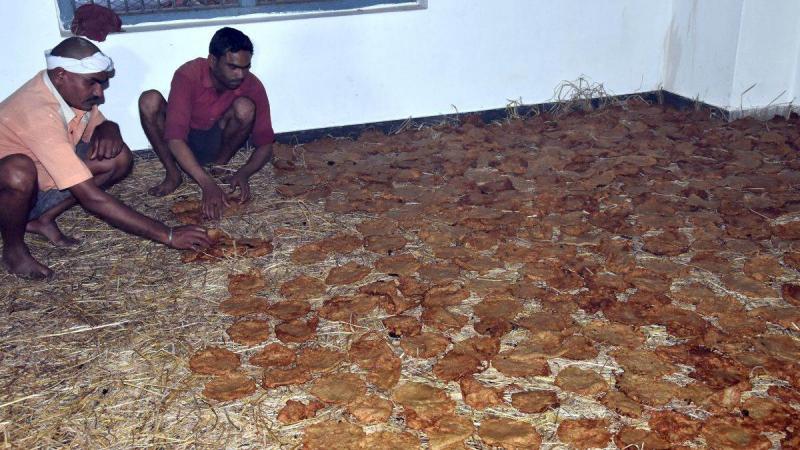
column 74, row 47
column 229, row 40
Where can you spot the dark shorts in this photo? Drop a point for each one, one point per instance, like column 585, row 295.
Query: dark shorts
column 205, row 144
column 46, row 200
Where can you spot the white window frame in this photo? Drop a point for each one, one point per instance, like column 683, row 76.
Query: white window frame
column 249, row 12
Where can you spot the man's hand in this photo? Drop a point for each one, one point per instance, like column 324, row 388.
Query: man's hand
column 242, row 182
column 214, row 201
column 189, row 237
column 106, row 141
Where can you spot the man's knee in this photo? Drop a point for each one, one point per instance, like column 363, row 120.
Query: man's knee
column 18, row 172
column 244, row 109
column 123, row 163
column 151, row 102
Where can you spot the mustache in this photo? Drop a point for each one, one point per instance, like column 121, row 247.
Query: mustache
column 94, row 100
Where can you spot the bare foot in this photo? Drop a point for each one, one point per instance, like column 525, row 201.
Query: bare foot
column 49, row 229
column 22, row 264
column 167, row 186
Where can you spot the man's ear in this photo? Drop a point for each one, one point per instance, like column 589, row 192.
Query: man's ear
column 212, row 60
column 57, row 76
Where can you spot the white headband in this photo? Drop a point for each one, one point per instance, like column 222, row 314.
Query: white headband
column 98, row 62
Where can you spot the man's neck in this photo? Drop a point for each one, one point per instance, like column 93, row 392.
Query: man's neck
column 67, row 112
column 219, row 87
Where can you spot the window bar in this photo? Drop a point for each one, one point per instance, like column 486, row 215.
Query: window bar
column 127, row 8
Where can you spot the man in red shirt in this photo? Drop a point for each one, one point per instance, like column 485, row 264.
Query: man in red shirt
column 214, row 105
column 55, row 148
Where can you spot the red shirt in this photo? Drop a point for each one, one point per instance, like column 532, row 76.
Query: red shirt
column 195, row 103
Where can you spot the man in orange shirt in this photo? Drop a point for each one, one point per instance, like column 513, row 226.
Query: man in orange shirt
column 55, row 148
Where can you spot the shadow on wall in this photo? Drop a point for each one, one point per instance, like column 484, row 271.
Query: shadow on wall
column 131, row 72
column 673, row 51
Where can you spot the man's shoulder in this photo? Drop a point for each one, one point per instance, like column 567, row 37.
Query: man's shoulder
column 31, row 98
column 193, row 68
column 253, row 83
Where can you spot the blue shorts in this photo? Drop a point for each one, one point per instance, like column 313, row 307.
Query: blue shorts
column 46, row 200
column 205, row 144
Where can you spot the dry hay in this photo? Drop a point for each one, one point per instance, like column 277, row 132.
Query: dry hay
column 583, row 277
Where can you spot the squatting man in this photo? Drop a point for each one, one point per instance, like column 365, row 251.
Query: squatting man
column 56, row 149
column 214, row 105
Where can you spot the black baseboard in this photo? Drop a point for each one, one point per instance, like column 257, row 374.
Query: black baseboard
column 393, row 126
column 487, row 116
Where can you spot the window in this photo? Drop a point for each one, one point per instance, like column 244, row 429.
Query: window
column 135, row 12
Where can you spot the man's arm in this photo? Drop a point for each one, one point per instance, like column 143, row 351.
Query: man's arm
column 260, row 156
column 214, row 200
column 106, row 141
column 176, row 128
column 117, row 214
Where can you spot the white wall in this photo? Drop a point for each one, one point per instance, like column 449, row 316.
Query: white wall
column 768, row 54
column 701, row 49
column 736, row 54
column 344, row 70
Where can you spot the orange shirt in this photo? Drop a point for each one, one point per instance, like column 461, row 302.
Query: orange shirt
column 36, row 121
